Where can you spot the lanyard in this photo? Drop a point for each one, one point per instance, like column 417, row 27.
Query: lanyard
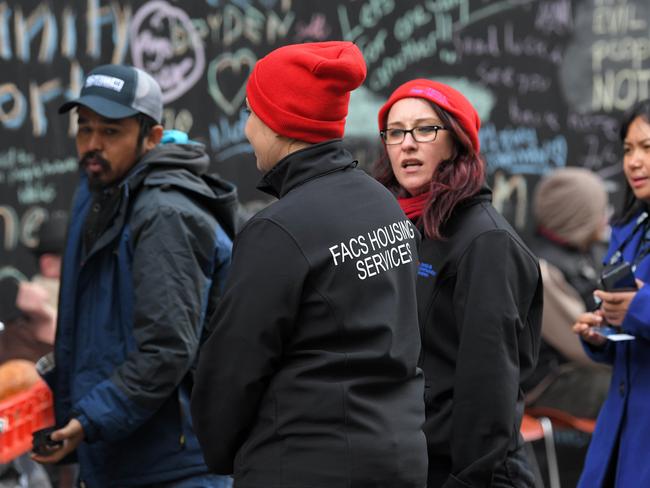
column 616, row 257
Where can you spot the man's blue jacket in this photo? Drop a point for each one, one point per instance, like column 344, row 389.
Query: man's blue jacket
column 131, row 314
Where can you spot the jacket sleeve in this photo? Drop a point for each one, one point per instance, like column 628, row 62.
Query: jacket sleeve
column 173, row 253
column 637, row 318
column 496, row 284
column 236, row 363
column 601, row 354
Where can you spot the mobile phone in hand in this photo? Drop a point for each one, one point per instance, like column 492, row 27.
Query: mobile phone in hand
column 618, row 277
column 611, row 333
column 42, row 441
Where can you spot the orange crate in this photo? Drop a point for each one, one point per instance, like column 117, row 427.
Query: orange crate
column 22, row 414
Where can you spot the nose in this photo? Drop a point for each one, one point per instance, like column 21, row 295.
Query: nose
column 95, row 141
column 409, row 142
column 635, row 158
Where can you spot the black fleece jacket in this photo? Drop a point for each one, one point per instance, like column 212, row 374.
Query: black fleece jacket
column 480, row 311
column 310, row 377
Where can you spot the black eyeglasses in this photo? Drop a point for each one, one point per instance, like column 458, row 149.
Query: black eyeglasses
column 424, row 133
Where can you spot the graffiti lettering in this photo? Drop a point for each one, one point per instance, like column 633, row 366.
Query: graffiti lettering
column 521, row 151
column 375, row 48
column 39, row 95
column 554, row 17
column 370, row 13
column 14, row 117
column 118, row 18
column 525, row 116
column 529, row 46
column 43, row 20
column 233, row 24
column 224, row 134
column 617, row 19
column 504, row 189
column 619, row 90
column 181, row 120
column 20, row 229
column 317, row 29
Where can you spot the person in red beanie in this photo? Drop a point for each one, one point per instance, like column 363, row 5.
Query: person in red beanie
column 479, row 289
column 310, row 376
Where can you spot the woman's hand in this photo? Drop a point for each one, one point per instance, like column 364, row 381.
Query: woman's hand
column 616, row 303
column 584, row 327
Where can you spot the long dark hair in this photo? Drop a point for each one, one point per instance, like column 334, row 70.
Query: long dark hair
column 631, row 205
column 454, row 180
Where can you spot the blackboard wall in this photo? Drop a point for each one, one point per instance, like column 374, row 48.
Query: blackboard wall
column 548, row 77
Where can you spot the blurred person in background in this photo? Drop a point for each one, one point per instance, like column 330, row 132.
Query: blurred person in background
column 29, row 307
column 570, row 209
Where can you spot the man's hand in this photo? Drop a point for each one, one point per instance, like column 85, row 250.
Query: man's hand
column 615, row 304
column 71, row 435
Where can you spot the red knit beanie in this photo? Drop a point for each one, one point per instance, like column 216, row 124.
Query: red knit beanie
column 444, row 97
column 302, row 91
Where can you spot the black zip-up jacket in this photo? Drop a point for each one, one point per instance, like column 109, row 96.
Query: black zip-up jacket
column 310, row 377
column 480, row 311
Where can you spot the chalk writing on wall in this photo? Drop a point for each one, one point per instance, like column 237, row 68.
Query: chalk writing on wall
column 549, row 79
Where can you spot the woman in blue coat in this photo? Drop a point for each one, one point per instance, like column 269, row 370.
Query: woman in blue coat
column 620, row 449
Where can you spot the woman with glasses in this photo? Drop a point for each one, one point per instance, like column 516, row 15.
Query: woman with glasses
column 478, row 286
column 618, row 452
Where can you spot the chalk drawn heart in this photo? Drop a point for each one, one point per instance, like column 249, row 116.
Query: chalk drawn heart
column 235, row 61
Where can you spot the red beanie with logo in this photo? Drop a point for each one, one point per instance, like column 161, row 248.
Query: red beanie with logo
column 302, row 91
column 443, row 96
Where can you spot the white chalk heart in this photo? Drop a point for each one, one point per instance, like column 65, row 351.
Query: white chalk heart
column 234, row 61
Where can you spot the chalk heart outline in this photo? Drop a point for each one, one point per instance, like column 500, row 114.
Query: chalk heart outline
column 234, row 61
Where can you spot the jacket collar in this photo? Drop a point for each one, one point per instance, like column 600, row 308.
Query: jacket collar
column 130, row 184
column 484, row 195
column 304, row 165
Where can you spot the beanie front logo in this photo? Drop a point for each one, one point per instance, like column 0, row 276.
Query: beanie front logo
column 105, row 81
column 429, row 93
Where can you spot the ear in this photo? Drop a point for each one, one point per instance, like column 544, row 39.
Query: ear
column 153, row 138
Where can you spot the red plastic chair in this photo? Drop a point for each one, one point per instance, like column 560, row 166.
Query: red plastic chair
column 563, row 420
column 538, row 428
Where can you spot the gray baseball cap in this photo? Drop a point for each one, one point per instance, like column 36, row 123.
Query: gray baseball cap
column 117, row 91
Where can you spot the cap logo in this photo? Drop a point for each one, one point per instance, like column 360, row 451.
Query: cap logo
column 104, row 81
column 429, row 93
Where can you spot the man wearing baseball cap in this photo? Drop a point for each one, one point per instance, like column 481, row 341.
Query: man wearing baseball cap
column 148, row 243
